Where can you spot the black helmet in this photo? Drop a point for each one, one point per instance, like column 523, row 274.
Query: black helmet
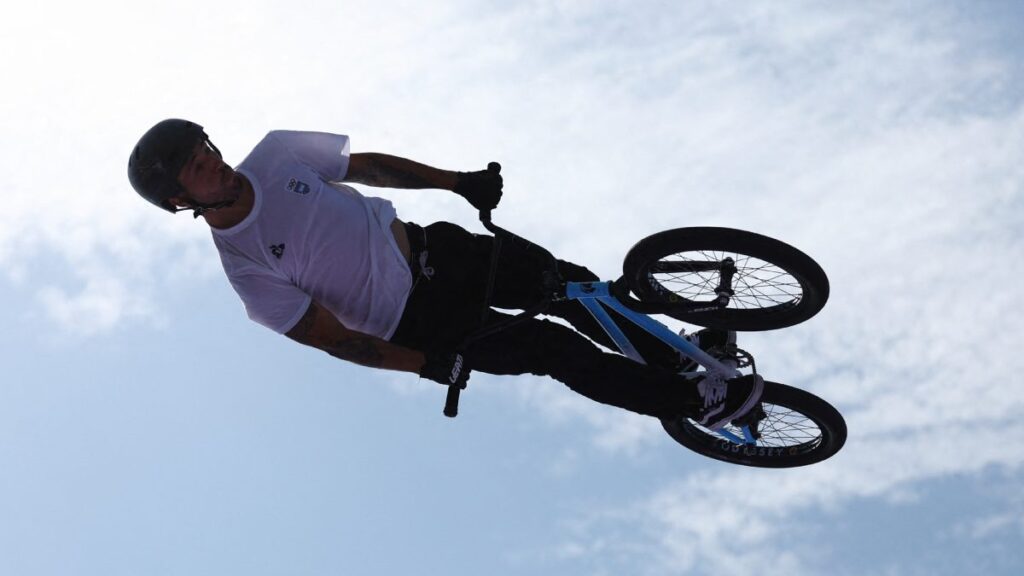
column 158, row 158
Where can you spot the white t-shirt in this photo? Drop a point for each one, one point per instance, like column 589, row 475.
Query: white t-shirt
column 309, row 237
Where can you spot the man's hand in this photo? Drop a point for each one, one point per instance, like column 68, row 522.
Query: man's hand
column 448, row 369
column 482, row 189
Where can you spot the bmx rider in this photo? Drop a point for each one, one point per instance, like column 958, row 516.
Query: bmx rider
column 317, row 261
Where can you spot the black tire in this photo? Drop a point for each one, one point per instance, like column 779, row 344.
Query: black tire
column 775, row 285
column 799, row 429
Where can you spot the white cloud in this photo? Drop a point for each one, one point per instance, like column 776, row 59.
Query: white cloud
column 731, row 521
column 101, row 304
column 615, row 431
column 987, row 527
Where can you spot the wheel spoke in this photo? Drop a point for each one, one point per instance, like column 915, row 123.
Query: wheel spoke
column 781, row 428
column 757, row 284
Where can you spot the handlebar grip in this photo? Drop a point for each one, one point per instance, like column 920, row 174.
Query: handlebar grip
column 451, row 403
column 485, row 215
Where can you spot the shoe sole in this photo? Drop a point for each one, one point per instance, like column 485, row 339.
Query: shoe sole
column 755, row 396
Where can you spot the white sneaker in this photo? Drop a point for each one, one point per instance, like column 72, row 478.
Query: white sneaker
column 727, row 400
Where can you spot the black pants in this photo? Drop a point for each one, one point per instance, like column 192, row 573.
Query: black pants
column 451, row 266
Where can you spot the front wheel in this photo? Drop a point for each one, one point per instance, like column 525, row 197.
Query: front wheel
column 790, row 428
column 726, row 278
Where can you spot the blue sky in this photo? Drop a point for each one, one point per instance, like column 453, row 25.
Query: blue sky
column 147, row 427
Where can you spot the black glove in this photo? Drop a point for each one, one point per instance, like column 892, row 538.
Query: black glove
column 448, row 369
column 482, row 189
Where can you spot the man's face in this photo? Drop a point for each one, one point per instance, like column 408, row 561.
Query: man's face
column 208, row 179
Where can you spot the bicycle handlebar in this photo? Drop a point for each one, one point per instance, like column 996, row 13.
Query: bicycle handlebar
column 451, row 405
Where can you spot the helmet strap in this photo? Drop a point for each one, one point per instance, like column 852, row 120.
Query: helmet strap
column 200, row 209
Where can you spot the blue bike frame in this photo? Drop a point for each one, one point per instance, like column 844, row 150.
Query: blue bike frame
column 593, row 294
column 596, row 296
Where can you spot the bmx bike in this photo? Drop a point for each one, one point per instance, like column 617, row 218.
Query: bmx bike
column 720, row 278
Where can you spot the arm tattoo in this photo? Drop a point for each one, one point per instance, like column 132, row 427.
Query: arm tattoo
column 351, row 346
column 360, row 350
column 384, row 173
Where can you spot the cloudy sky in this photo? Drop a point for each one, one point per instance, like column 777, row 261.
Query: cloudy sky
column 147, row 427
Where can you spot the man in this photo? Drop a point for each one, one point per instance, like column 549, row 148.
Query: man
column 315, row 260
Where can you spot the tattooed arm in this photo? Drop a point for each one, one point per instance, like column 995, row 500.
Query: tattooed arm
column 320, row 329
column 387, row 171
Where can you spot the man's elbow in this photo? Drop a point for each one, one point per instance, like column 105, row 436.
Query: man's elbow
column 304, row 330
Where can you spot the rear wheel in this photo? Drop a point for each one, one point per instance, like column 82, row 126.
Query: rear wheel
column 739, row 280
column 791, row 428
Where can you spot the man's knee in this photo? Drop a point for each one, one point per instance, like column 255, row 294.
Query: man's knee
column 539, row 347
column 575, row 272
column 560, row 348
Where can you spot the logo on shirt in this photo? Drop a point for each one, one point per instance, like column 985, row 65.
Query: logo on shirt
column 277, row 250
column 298, row 186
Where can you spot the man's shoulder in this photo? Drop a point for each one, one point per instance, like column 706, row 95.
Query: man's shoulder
column 268, row 145
column 268, row 160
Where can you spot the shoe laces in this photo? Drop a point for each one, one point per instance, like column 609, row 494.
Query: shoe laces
column 712, row 390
